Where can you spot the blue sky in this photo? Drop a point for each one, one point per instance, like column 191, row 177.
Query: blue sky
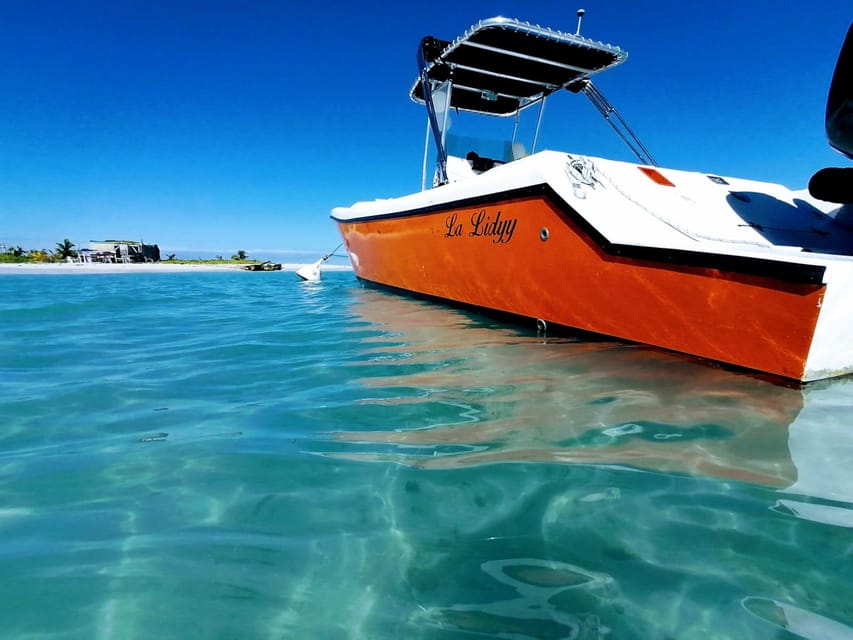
column 225, row 125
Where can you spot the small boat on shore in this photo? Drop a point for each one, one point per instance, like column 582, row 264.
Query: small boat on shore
column 733, row 270
column 263, row 266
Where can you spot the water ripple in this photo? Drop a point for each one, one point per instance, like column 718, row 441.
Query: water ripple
column 241, row 455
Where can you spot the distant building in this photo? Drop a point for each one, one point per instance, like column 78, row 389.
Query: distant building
column 125, row 250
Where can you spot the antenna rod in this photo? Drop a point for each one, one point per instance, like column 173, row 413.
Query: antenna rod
column 581, row 12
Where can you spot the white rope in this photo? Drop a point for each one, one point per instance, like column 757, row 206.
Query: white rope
column 583, row 171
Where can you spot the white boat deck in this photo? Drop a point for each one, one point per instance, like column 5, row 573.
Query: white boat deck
column 695, row 212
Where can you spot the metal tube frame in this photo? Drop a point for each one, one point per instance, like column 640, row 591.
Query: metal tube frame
column 441, row 162
column 618, row 123
column 538, row 125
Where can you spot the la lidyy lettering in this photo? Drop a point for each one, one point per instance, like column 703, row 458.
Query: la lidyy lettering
column 499, row 229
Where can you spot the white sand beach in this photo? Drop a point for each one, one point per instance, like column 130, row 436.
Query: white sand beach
column 66, row 268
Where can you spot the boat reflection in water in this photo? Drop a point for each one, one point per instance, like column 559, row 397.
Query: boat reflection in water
column 565, row 487
column 523, row 397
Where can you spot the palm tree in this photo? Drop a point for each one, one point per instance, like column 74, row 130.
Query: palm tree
column 240, row 255
column 65, row 249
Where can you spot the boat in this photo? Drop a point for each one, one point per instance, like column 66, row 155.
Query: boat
column 736, row 271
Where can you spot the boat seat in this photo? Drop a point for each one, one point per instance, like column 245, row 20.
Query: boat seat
column 480, row 164
column 833, row 185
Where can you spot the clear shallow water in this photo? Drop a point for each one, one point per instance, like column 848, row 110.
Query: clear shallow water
column 234, row 455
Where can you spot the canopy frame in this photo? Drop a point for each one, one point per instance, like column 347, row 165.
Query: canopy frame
column 501, row 66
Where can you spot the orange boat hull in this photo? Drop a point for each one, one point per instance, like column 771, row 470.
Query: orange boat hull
column 530, row 256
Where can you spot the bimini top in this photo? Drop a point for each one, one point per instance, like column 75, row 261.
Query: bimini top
column 500, row 65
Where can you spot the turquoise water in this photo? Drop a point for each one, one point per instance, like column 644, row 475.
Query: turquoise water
column 235, row 455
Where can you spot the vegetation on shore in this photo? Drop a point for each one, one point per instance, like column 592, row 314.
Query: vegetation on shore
column 210, row 261
column 19, row 255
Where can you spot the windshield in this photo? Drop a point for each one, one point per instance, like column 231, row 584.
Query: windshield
column 484, row 147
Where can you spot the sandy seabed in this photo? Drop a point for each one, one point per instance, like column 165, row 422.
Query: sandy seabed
column 66, row 268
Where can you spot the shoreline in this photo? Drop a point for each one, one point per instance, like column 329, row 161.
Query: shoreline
column 94, row 268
